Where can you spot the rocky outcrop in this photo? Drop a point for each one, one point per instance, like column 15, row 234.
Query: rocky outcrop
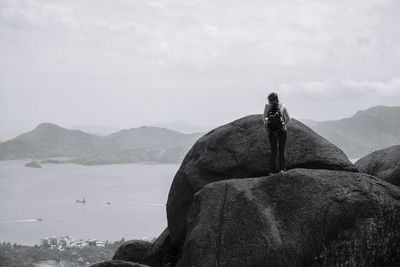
column 134, row 251
column 279, row 220
column 384, row 164
column 224, row 210
column 240, row 149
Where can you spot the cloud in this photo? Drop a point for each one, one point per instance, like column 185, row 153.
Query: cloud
column 213, row 35
column 222, row 35
column 332, row 88
column 140, row 58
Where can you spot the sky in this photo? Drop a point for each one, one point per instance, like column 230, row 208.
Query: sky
column 127, row 63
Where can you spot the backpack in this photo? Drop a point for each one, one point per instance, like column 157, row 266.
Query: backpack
column 275, row 119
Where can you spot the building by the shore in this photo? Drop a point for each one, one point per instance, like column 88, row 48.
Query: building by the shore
column 69, row 242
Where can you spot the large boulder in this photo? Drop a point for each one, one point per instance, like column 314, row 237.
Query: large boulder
column 159, row 253
column 279, row 220
column 384, row 164
column 241, row 149
column 134, row 251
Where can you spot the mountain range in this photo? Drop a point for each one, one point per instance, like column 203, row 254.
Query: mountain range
column 143, row 144
column 366, row 131
column 176, row 125
column 183, row 126
column 100, row 130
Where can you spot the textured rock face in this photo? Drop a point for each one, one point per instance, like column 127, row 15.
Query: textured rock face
column 163, row 252
column 159, row 253
column 239, row 150
column 384, row 164
column 134, row 251
column 277, row 220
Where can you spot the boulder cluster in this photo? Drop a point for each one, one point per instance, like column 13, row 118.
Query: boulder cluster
column 384, row 164
column 225, row 208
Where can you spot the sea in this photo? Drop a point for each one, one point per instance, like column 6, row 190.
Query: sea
column 121, row 201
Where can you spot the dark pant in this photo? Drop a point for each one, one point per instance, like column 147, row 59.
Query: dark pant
column 274, row 139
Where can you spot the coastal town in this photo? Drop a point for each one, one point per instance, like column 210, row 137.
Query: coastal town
column 64, row 242
column 58, row 251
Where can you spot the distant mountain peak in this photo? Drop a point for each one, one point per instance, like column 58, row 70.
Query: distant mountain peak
column 366, row 131
column 377, row 109
column 181, row 126
column 46, row 125
column 100, row 130
column 143, row 130
column 142, row 144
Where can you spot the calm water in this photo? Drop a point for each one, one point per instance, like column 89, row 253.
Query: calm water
column 137, row 192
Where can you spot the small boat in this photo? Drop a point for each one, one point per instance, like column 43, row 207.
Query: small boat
column 83, row 201
column 39, row 219
column 108, row 203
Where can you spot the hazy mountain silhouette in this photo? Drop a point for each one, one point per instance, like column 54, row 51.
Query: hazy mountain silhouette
column 183, row 126
column 133, row 145
column 366, row 131
column 49, row 140
column 146, row 136
column 100, row 130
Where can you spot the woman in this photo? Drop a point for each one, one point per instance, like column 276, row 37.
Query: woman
column 275, row 118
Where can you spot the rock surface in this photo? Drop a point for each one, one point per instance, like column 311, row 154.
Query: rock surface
column 163, row 252
column 240, row 149
column 279, row 220
column 117, row 263
column 134, row 251
column 157, row 254
column 384, row 164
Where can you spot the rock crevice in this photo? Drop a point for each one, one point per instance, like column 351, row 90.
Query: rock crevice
column 220, row 241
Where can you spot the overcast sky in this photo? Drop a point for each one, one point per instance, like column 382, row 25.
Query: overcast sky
column 125, row 63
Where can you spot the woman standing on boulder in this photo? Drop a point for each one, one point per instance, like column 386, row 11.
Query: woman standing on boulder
column 275, row 118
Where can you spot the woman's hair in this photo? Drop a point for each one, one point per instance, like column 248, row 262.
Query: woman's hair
column 273, row 97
